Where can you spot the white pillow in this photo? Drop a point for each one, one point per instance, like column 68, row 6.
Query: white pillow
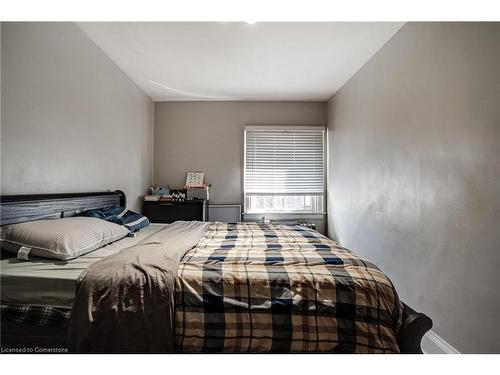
column 63, row 239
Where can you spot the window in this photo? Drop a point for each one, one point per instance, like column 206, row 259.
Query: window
column 284, row 169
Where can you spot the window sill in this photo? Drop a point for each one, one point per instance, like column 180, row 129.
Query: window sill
column 283, row 216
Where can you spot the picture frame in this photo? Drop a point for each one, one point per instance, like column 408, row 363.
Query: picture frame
column 195, row 179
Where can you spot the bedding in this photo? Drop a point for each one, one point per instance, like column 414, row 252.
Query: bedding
column 61, row 239
column 41, row 316
column 120, row 215
column 49, row 282
column 125, row 302
column 251, row 287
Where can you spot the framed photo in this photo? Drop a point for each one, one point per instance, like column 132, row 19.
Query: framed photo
column 194, row 179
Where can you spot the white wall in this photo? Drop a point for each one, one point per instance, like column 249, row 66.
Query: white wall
column 208, row 136
column 72, row 121
column 415, row 174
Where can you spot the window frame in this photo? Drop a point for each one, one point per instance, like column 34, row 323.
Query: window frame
column 325, row 169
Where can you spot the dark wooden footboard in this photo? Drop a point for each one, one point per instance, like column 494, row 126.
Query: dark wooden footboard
column 414, row 327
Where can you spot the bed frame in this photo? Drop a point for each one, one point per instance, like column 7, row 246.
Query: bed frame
column 21, row 208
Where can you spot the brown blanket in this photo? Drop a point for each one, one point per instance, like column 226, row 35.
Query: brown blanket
column 125, row 303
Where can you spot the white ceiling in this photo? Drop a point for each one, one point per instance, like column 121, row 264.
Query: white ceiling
column 240, row 61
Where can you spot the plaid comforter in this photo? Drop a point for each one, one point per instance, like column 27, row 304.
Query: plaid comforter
column 42, row 316
column 250, row 287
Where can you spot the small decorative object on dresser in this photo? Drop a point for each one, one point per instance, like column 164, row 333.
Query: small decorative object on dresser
column 178, row 195
column 158, row 190
column 194, row 179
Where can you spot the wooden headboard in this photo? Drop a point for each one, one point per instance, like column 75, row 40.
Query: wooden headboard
column 21, row 208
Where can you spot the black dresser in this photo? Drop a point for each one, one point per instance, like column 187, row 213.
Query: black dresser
column 168, row 212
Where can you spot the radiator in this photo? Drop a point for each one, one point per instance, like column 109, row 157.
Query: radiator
column 227, row 213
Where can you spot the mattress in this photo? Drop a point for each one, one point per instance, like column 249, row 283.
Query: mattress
column 45, row 282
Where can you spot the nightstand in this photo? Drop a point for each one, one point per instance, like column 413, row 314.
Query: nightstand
column 168, row 212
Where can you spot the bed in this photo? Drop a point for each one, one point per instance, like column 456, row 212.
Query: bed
column 244, row 287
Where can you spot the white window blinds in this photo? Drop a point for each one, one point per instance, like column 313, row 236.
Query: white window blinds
column 284, row 160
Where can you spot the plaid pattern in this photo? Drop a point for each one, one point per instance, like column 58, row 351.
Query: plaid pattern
column 36, row 315
column 251, row 287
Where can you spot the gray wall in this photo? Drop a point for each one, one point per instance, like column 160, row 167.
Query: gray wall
column 208, row 136
column 72, row 121
column 414, row 179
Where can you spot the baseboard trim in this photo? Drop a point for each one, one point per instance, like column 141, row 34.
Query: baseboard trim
column 433, row 344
